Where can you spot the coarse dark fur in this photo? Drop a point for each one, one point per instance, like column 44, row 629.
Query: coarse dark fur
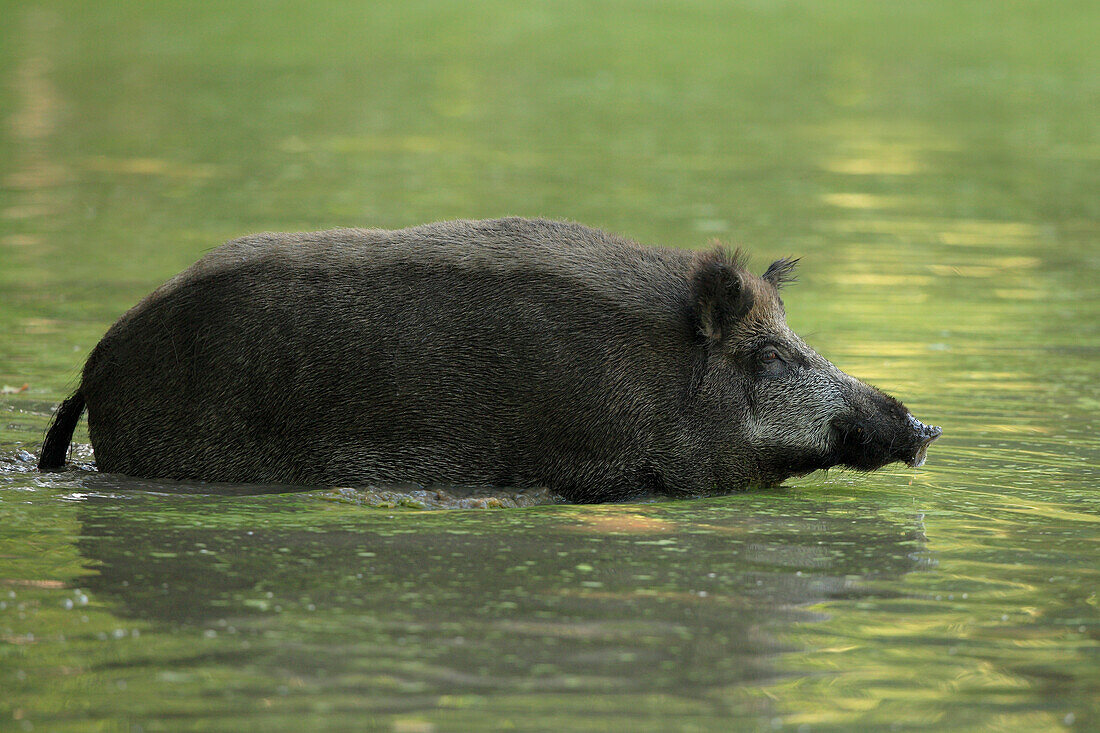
column 510, row 352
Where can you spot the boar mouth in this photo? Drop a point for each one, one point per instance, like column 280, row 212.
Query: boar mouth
column 919, row 457
column 926, row 434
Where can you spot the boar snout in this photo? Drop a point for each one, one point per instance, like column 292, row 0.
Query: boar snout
column 880, row 433
column 924, row 435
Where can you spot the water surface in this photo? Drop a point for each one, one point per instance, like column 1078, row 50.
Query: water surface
column 935, row 166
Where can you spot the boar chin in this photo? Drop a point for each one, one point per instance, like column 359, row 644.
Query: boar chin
column 775, row 467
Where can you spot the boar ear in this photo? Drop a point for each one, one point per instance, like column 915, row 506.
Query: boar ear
column 718, row 293
column 781, row 272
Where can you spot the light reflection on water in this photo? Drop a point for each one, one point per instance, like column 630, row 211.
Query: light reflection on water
column 947, row 257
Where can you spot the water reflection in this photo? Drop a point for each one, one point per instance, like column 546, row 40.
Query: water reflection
column 679, row 598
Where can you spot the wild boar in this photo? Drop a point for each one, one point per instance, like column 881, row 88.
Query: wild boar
column 511, row 352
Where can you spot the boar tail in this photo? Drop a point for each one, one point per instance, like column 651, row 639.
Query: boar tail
column 55, row 448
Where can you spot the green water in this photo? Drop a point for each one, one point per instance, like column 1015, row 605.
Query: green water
column 936, row 165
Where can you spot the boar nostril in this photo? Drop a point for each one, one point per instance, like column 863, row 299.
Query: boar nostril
column 927, row 433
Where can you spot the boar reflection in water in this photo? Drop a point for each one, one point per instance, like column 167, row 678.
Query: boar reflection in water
column 511, row 352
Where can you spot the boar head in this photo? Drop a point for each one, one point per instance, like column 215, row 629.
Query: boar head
column 771, row 405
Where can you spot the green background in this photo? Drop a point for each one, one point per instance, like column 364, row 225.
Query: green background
column 935, row 164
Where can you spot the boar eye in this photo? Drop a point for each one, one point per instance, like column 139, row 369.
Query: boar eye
column 769, row 355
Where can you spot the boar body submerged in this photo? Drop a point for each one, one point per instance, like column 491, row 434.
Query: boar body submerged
column 499, row 353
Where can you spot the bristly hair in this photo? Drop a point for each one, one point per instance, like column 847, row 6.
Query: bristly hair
column 718, row 298
column 735, row 257
column 781, row 272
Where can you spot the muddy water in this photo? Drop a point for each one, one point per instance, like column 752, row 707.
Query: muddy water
column 935, row 166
